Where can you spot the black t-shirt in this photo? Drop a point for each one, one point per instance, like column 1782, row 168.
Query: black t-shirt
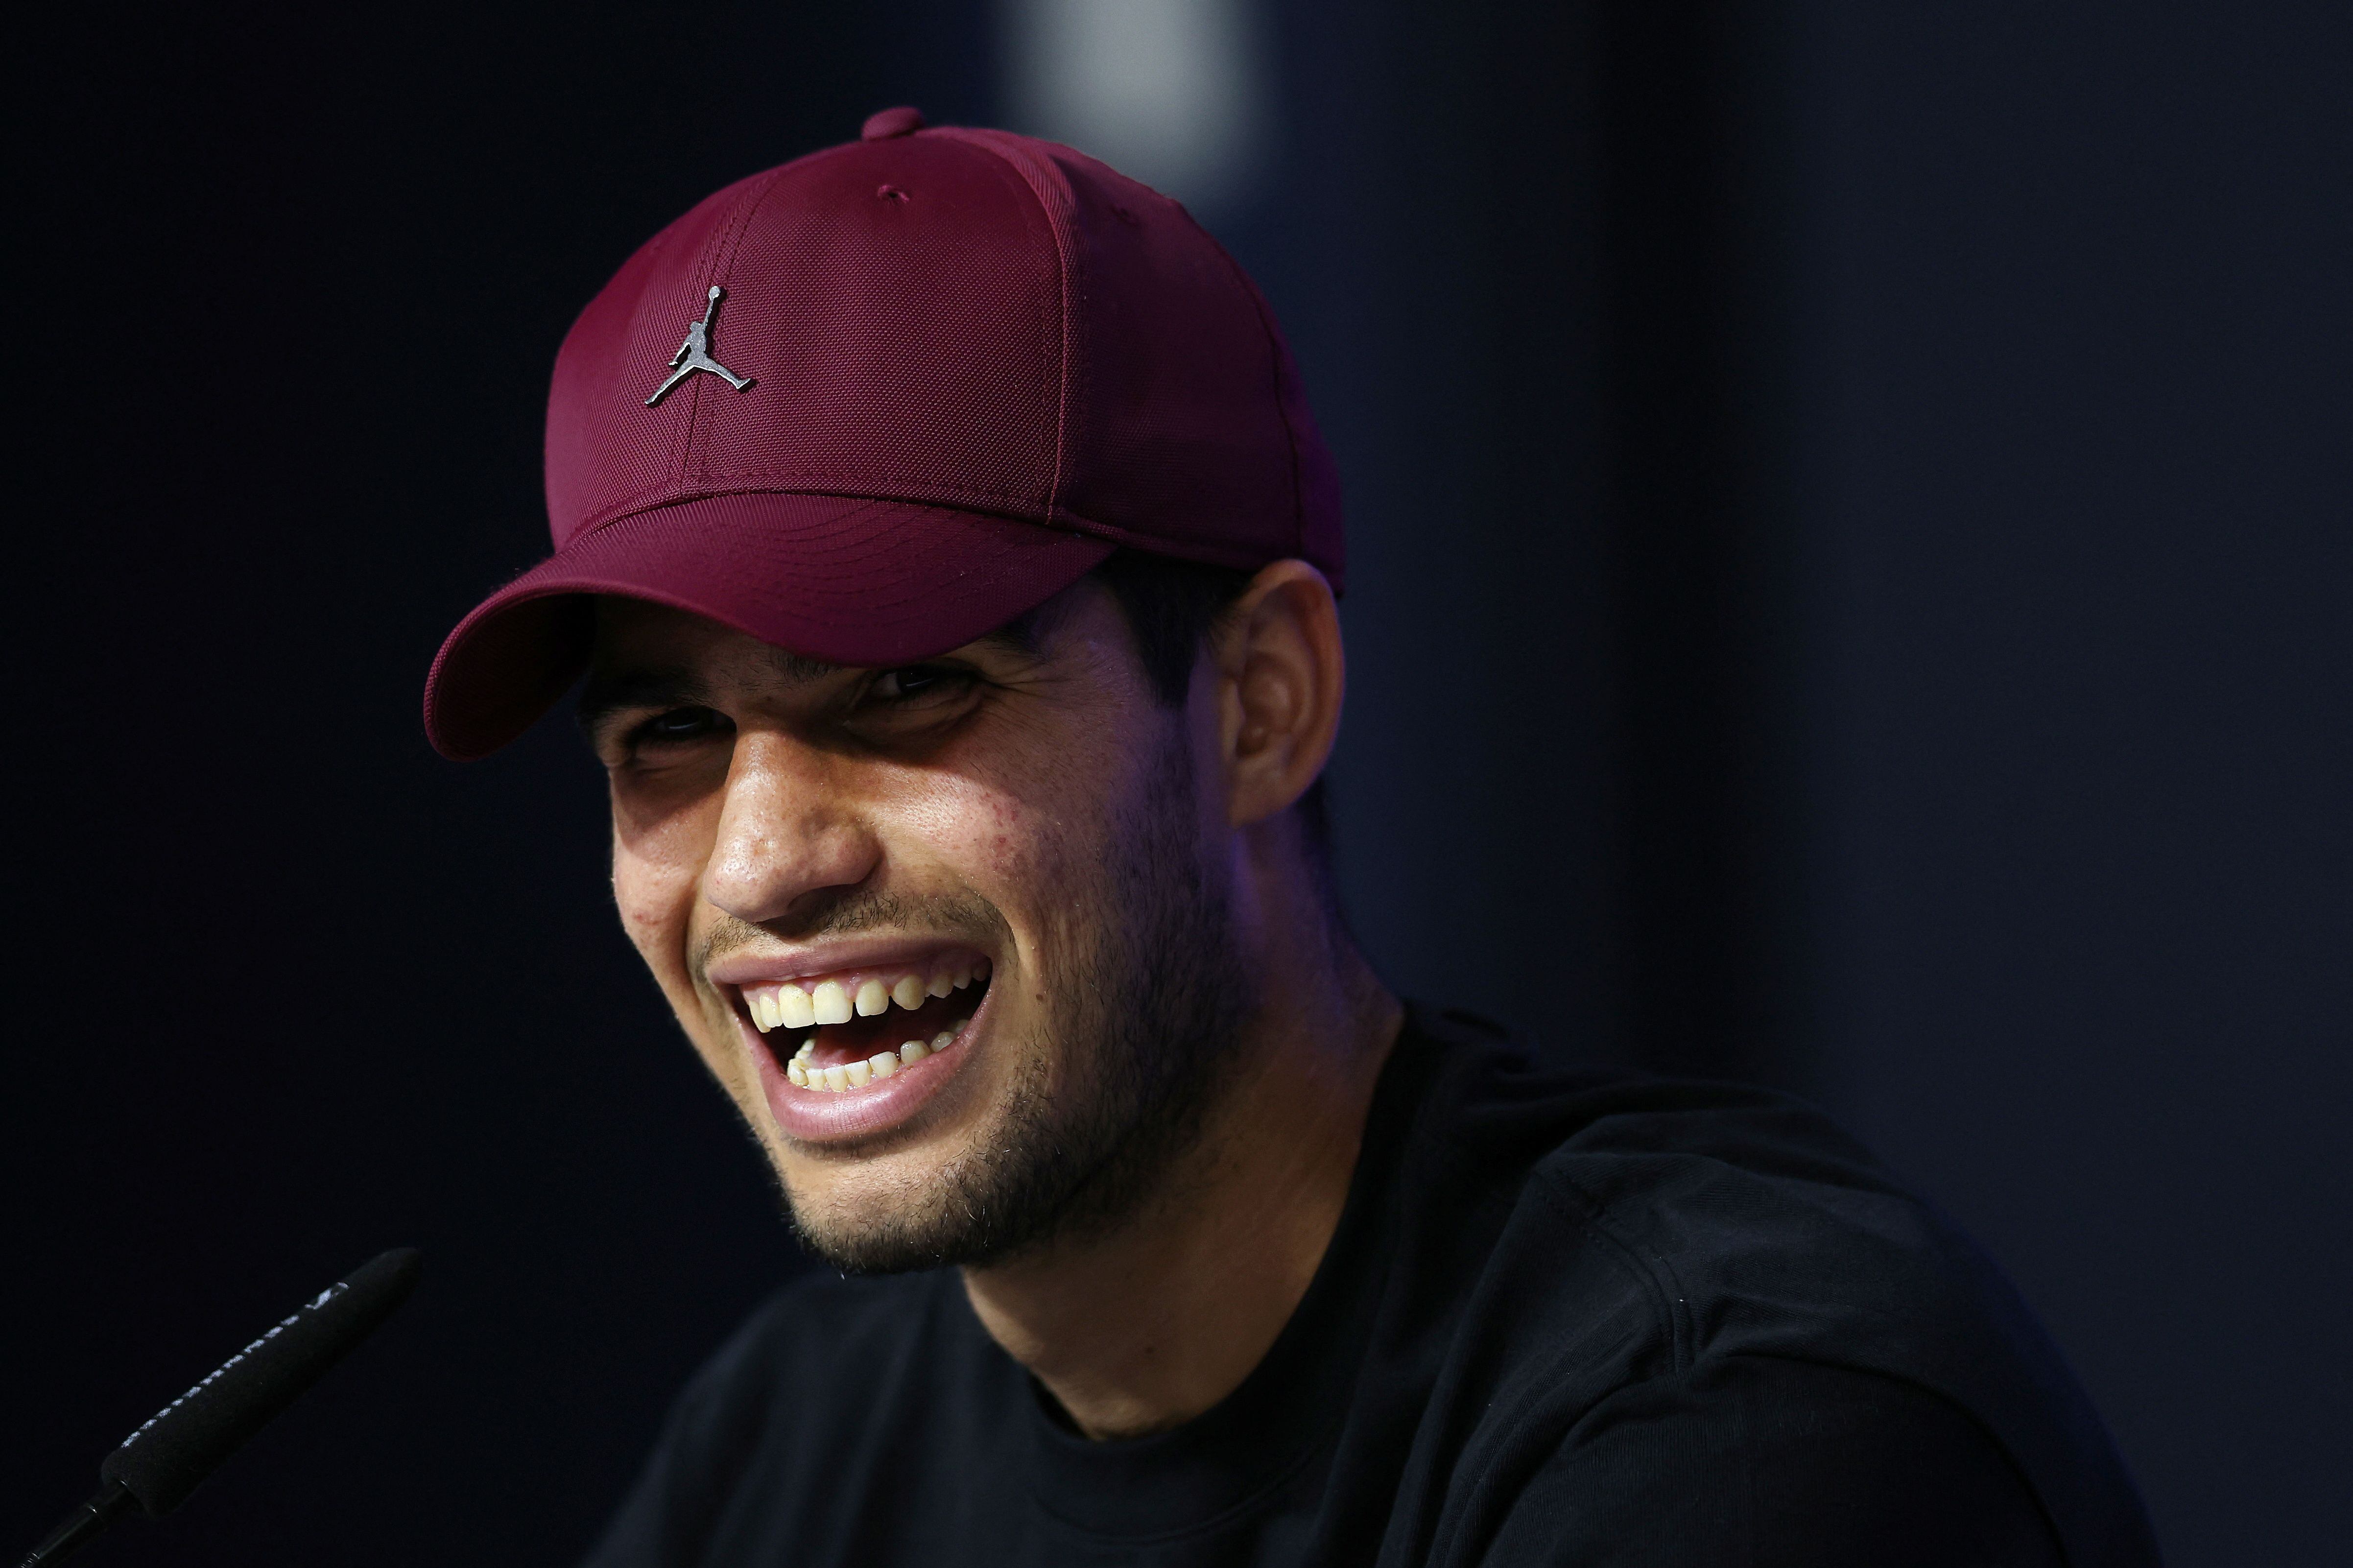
column 1581, row 1318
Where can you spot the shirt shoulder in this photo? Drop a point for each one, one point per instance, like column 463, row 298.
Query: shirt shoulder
column 1750, row 1460
column 1647, row 1231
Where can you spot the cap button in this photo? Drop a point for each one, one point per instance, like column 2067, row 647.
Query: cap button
column 900, row 122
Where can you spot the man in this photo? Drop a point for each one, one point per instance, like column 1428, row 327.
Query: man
column 963, row 660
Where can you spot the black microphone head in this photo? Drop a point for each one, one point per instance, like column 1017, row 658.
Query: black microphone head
column 161, row 1462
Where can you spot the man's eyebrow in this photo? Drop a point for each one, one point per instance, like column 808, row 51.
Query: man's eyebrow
column 611, row 693
column 800, row 668
column 675, row 686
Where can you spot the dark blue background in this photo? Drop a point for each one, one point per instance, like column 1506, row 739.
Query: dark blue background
column 1851, row 571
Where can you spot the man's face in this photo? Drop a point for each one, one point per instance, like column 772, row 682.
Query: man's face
column 982, row 903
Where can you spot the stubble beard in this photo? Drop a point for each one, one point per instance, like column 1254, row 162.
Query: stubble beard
column 1118, row 1086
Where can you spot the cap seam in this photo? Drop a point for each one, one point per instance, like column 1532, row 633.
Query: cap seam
column 695, row 462
column 974, row 506
column 710, row 262
column 1274, row 353
column 1065, row 250
column 1064, row 521
column 1020, row 505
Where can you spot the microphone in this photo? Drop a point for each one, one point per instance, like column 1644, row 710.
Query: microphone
column 159, row 1465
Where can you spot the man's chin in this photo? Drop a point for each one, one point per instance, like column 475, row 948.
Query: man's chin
column 976, row 1203
column 887, row 1212
column 856, row 1241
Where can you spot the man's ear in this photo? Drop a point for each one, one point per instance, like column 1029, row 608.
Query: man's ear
column 1281, row 672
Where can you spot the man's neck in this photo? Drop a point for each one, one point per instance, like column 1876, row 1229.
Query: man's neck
column 1147, row 1327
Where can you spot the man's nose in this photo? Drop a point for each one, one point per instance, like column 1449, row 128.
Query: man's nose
column 787, row 831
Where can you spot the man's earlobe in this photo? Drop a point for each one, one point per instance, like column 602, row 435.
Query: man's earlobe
column 1281, row 674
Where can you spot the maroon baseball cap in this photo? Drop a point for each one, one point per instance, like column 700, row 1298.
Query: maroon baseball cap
column 879, row 401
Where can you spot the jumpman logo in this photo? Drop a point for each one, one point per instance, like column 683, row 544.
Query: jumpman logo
column 695, row 354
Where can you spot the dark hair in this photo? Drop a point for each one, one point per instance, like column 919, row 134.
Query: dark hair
column 1171, row 607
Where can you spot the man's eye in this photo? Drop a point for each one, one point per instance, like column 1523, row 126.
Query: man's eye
column 916, row 682
column 680, row 724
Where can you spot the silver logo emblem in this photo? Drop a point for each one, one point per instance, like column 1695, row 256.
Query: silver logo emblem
column 695, row 354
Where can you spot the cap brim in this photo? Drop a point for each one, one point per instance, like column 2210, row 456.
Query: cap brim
column 849, row 580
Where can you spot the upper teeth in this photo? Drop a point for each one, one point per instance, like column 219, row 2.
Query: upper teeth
column 801, row 1004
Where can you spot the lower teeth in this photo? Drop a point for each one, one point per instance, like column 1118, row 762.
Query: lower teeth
column 807, row 1074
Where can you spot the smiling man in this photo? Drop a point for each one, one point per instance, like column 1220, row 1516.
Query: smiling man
column 957, row 614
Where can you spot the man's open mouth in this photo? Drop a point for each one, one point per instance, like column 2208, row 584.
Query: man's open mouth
column 838, row 1032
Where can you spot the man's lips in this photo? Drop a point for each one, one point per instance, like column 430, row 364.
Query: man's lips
column 859, row 959
column 852, row 1038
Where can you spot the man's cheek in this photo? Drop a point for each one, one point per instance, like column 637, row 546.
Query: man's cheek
column 1035, row 860
column 656, row 901
column 1002, row 843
